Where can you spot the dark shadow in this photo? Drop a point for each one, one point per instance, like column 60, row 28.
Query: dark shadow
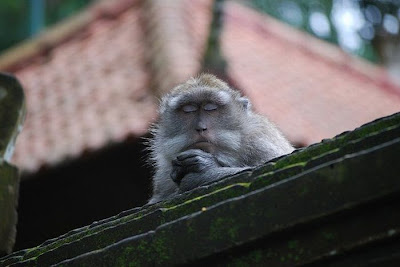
column 96, row 186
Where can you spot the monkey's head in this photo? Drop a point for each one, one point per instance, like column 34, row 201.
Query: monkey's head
column 203, row 113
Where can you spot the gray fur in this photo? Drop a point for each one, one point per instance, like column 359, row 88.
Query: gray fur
column 235, row 138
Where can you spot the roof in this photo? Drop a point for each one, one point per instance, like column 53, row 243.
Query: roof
column 332, row 202
column 98, row 83
column 87, row 91
column 310, row 88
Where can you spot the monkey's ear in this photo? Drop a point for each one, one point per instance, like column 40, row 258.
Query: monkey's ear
column 162, row 106
column 245, row 103
column 168, row 102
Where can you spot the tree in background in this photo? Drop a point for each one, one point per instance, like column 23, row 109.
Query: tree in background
column 381, row 29
column 358, row 26
column 15, row 17
column 213, row 59
column 13, row 25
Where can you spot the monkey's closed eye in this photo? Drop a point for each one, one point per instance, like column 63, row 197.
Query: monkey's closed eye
column 189, row 108
column 210, row 106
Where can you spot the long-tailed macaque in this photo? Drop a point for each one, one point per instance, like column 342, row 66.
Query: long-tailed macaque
column 207, row 131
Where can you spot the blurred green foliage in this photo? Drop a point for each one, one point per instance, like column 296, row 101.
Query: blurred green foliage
column 297, row 13
column 59, row 9
column 15, row 17
column 355, row 25
column 358, row 26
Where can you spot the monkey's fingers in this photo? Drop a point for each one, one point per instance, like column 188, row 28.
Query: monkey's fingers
column 178, row 171
column 199, row 164
column 176, row 163
column 176, row 177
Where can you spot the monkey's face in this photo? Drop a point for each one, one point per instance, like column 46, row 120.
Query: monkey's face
column 203, row 118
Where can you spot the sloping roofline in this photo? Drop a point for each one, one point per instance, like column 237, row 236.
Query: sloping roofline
column 25, row 52
column 321, row 50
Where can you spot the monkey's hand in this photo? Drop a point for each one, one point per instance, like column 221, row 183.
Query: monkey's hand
column 192, row 161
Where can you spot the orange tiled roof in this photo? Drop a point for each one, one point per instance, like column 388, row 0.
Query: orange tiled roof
column 93, row 88
column 310, row 88
column 86, row 92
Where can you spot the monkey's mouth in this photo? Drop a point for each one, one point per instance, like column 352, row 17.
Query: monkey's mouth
column 203, row 145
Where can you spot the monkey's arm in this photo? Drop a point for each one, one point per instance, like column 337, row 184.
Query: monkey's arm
column 195, row 167
column 163, row 188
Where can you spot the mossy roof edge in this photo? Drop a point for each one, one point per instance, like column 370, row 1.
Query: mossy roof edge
column 326, row 189
column 378, row 131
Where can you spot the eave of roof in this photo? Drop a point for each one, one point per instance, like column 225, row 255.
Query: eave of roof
column 23, row 54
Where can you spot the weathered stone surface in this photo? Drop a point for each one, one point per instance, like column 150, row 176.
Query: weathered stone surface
column 331, row 188
column 9, row 187
column 315, row 205
column 12, row 112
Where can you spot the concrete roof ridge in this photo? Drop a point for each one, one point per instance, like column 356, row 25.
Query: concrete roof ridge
column 362, row 142
column 240, row 220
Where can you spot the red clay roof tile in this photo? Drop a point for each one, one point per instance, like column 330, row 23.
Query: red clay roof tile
column 86, row 92
column 311, row 89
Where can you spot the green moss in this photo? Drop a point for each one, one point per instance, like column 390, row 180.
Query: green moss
column 255, row 257
column 293, row 244
column 276, row 176
column 322, row 152
column 302, row 157
column 215, row 232
column 223, row 228
column 329, row 152
column 375, row 126
column 303, row 190
column 102, row 238
column 245, row 185
column 284, row 168
column 128, row 257
column 216, row 191
column 190, row 229
column 328, row 236
column 333, row 145
column 162, row 251
column 202, row 202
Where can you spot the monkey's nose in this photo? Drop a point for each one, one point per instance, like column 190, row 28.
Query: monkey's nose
column 201, row 127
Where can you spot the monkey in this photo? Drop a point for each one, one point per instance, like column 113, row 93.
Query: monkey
column 205, row 132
